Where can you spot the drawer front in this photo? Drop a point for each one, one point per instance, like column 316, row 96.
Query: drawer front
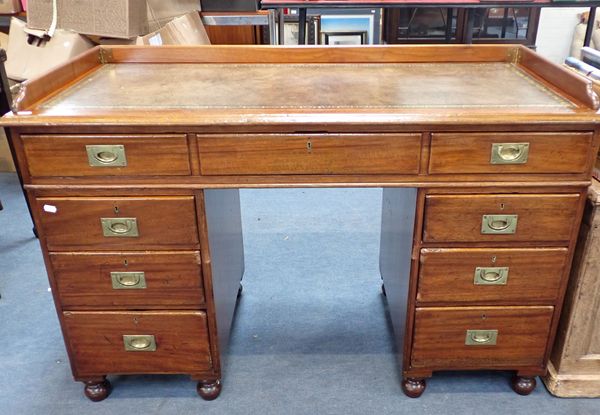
column 142, row 342
column 134, row 223
column 491, row 275
column 500, row 218
column 510, row 153
column 128, row 280
column 107, row 155
column 310, row 154
column 478, row 337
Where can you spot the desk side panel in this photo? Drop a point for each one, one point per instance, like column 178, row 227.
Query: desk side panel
column 226, row 256
column 395, row 257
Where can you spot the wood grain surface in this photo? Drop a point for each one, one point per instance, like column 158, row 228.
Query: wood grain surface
column 309, row 154
column 458, row 218
column 163, row 222
column 96, row 340
column 534, row 276
column 173, row 280
column 65, row 155
column 548, row 153
column 439, row 340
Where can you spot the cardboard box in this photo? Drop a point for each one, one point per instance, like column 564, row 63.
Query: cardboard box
column 184, row 30
column 123, row 19
column 10, row 6
column 161, row 12
column 111, row 18
column 28, row 60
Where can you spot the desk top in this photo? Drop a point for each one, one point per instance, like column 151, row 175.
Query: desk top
column 229, row 85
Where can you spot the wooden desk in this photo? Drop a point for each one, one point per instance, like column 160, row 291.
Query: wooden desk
column 132, row 159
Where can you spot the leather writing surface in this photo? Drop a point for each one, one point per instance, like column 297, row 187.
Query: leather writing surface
column 330, row 86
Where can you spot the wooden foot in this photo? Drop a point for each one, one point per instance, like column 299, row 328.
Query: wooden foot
column 97, row 391
column 383, row 290
column 209, row 389
column 413, row 388
column 523, row 385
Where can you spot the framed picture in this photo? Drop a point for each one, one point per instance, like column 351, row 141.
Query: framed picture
column 335, row 22
column 346, row 38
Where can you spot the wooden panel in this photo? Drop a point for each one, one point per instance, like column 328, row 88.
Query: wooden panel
column 223, row 232
column 574, row 369
column 173, row 280
column 232, row 35
column 310, row 154
column 440, row 333
column 97, row 347
column 548, row 153
column 458, row 218
column 163, row 222
column 447, row 275
column 65, row 155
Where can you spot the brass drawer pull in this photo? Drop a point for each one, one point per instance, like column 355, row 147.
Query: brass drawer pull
column 491, row 276
column 481, row 337
column 120, row 227
column 128, row 280
column 139, row 343
column 510, row 153
column 106, row 155
column 499, row 224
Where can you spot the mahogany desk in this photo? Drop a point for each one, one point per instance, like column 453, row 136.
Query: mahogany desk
column 132, row 159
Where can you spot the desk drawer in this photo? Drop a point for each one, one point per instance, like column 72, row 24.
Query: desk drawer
column 310, row 154
column 491, row 275
column 478, row 337
column 176, row 342
column 510, row 153
column 135, row 223
column 107, row 155
column 500, row 218
column 128, row 280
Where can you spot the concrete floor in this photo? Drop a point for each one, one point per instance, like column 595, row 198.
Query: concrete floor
column 311, row 333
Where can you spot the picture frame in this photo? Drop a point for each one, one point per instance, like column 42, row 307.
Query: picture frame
column 346, row 38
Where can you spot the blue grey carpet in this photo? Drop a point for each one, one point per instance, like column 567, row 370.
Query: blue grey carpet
column 310, row 337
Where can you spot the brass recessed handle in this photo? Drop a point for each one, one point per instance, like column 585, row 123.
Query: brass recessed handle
column 128, row 280
column 120, row 227
column 481, row 337
column 139, row 343
column 491, row 276
column 510, row 153
column 499, row 224
column 106, row 155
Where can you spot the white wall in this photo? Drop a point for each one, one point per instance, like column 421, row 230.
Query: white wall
column 555, row 32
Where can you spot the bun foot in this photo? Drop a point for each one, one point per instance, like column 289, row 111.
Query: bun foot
column 209, row 390
column 523, row 385
column 413, row 388
column 97, row 391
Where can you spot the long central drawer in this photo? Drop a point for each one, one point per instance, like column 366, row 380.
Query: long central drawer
column 133, row 223
column 309, row 154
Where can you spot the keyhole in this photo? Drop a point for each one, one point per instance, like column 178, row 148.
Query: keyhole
column 494, row 259
column 501, row 206
column 135, row 320
column 116, row 210
column 483, row 316
column 126, row 263
column 309, row 146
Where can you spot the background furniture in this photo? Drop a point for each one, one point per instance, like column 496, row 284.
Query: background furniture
column 468, row 5
column 574, row 367
column 140, row 197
